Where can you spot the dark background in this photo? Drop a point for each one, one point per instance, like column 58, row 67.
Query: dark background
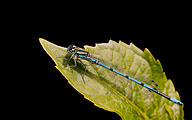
column 37, row 90
column 51, row 96
column 42, row 92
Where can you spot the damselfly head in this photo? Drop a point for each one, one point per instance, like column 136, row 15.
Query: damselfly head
column 71, row 49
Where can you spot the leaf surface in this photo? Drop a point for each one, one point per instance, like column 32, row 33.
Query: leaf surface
column 113, row 92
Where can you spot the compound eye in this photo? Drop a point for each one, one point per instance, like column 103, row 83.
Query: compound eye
column 70, row 47
column 74, row 46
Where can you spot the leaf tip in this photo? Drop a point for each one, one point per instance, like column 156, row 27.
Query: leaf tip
column 41, row 40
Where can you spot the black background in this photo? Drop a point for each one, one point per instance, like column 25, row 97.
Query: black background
column 42, row 92
column 37, row 90
column 51, row 96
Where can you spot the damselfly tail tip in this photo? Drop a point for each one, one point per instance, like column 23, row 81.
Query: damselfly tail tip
column 182, row 104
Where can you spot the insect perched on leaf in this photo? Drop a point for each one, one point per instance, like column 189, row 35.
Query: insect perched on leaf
column 118, row 77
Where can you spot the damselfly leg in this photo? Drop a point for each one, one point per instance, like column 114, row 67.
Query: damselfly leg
column 75, row 64
column 69, row 59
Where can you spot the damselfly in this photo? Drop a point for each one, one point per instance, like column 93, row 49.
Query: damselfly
column 76, row 53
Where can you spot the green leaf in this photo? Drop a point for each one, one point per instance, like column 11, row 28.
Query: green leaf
column 115, row 93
